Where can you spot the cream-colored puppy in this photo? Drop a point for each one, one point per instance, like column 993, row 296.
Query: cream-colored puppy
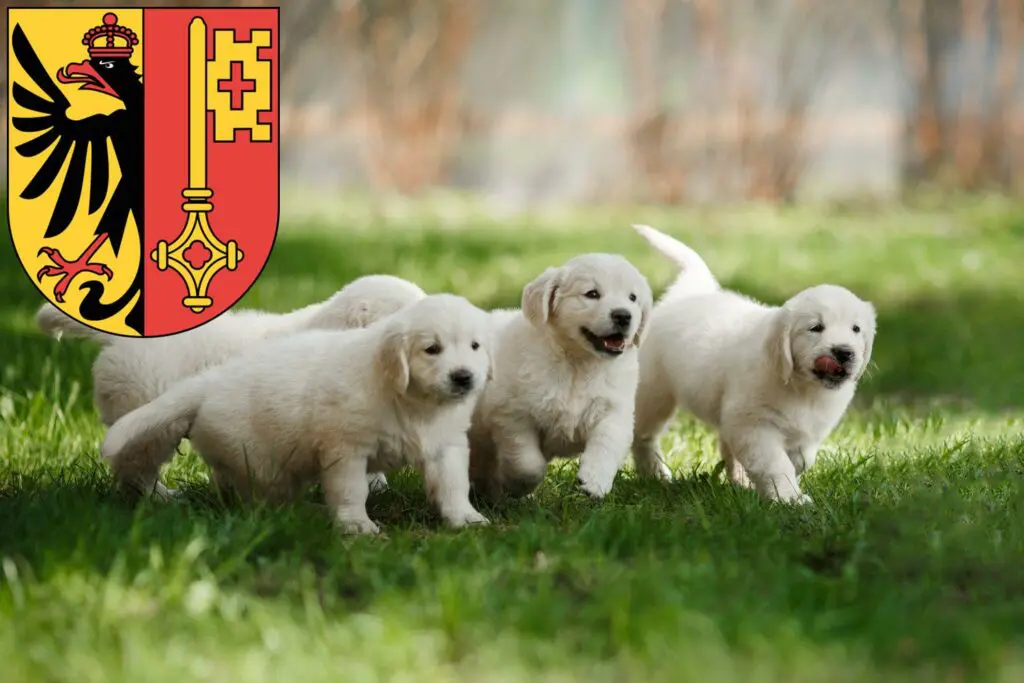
column 774, row 381
column 565, row 378
column 130, row 372
column 330, row 406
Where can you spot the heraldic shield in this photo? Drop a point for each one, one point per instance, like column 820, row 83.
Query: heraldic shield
column 143, row 160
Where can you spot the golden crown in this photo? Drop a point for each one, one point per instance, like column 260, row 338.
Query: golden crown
column 110, row 40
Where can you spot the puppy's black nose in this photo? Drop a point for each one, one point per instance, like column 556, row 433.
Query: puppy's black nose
column 843, row 354
column 461, row 378
column 621, row 317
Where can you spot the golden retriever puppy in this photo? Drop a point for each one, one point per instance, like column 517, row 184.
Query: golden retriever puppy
column 774, row 381
column 565, row 378
column 130, row 372
column 330, row 406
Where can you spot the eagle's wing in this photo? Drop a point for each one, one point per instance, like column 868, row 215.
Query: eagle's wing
column 74, row 137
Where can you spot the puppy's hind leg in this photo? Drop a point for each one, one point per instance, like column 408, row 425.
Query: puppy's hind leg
column 138, row 473
column 484, row 476
column 737, row 475
column 144, row 439
column 446, row 475
column 228, row 487
column 654, row 408
column 137, row 469
column 521, row 464
column 346, row 488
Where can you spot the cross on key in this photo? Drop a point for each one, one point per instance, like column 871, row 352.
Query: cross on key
column 237, row 85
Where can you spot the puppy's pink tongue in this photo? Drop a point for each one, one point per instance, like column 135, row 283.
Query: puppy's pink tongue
column 827, row 364
column 614, row 343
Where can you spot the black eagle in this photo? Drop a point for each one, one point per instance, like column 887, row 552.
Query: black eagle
column 85, row 141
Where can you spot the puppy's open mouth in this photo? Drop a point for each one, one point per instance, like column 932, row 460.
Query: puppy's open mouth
column 829, row 371
column 612, row 344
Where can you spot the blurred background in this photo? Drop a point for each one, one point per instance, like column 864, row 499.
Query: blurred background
column 467, row 145
column 525, row 102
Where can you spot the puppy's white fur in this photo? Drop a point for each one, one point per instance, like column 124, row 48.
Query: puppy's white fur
column 747, row 369
column 554, row 393
column 130, row 372
column 330, row 405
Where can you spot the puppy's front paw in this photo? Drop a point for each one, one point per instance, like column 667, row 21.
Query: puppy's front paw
column 658, row 471
column 464, row 518
column 740, row 479
column 377, row 481
column 355, row 526
column 794, row 498
column 522, row 485
column 163, row 494
column 593, row 486
column 782, row 489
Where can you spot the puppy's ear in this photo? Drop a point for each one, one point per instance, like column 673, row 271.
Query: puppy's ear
column 869, row 328
column 779, row 345
column 539, row 296
column 393, row 360
column 646, row 304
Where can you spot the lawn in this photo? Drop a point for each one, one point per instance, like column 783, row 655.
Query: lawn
column 910, row 567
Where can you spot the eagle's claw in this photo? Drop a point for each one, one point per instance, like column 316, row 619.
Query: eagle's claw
column 68, row 270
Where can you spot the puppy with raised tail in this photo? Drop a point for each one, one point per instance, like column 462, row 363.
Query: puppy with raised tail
column 774, row 381
column 130, row 372
column 330, row 406
column 565, row 378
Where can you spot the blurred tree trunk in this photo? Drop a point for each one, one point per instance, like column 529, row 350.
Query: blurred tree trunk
column 650, row 130
column 968, row 151
column 922, row 135
column 780, row 160
column 711, row 52
column 777, row 135
column 978, row 148
column 748, row 133
column 410, row 55
column 1003, row 146
column 300, row 22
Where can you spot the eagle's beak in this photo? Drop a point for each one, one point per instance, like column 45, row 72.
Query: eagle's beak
column 87, row 76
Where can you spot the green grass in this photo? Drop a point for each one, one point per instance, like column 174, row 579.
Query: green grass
column 908, row 568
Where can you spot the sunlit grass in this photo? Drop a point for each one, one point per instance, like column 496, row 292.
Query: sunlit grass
column 907, row 568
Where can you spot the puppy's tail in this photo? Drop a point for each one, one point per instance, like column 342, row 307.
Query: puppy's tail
column 165, row 420
column 52, row 321
column 695, row 276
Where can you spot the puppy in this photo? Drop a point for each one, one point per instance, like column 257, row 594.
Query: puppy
column 330, row 405
column 130, row 372
column 565, row 378
column 774, row 381
column 362, row 302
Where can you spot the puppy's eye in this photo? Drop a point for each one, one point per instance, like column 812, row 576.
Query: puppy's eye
column 475, row 345
column 433, row 349
column 593, row 294
column 817, row 328
column 632, row 297
column 856, row 329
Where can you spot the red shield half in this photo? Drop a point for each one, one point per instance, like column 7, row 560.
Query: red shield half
column 211, row 160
